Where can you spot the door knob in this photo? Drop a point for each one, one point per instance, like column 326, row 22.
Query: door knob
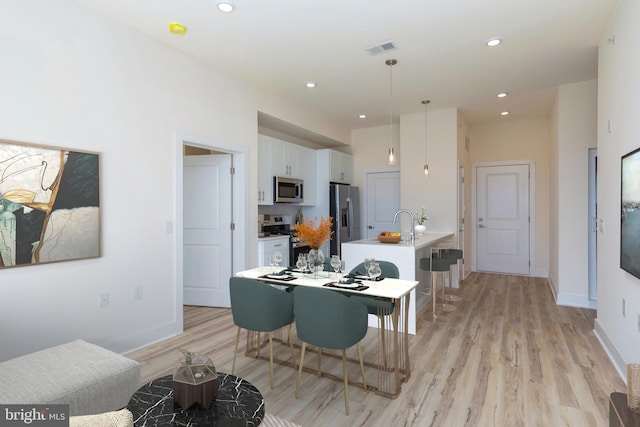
column 482, row 226
column 371, row 227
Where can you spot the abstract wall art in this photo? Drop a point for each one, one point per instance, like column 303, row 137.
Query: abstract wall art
column 49, row 204
column 630, row 213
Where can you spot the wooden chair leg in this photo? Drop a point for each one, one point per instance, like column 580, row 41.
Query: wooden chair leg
column 258, row 349
column 346, row 381
column 319, row 360
column 304, row 346
column 364, row 381
column 271, row 359
column 235, row 353
column 293, row 356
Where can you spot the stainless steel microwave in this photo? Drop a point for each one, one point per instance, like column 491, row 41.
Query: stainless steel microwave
column 288, row 190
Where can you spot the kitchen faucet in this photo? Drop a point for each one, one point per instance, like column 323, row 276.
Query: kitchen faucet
column 412, row 236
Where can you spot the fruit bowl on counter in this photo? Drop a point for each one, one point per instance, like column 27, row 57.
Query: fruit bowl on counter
column 388, row 237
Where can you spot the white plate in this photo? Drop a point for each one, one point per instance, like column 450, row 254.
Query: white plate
column 348, row 285
column 280, row 276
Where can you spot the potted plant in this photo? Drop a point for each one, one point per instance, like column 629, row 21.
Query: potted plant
column 421, row 219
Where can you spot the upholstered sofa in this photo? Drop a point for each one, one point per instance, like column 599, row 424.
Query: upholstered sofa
column 87, row 377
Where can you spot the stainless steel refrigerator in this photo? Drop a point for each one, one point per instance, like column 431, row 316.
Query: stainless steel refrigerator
column 344, row 208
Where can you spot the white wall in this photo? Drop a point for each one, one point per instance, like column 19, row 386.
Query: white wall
column 437, row 192
column 72, row 78
column 369, row 147
column 575, row 127
column 618, row 101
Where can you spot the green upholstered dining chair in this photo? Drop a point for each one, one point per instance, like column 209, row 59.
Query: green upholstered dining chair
column 329, row 319
column 377, row 306
column 256, row 306
column 373, row 304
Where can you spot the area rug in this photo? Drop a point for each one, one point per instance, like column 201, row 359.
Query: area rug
column 274, row 421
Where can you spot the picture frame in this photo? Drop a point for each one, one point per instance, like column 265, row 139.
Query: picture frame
column 630, row 213
column 49, row 204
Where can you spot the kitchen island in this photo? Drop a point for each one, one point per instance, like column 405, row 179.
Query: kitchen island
column 406, row 257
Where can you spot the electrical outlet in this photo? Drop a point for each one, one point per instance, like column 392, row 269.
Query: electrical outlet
column 624, row 307
column 137, row 293
column 104, row 299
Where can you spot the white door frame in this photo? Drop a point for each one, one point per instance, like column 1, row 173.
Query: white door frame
column 532, row 212
column 239, row 196
column 364, row 200
column 593, row 226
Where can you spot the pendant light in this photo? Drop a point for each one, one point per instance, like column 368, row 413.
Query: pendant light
column 391, row 157
column 426, row 163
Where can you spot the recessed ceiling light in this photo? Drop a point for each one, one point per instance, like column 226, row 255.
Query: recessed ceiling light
column 493, row 42
column 362, row 116
column 502, row 94
column 177, row 28
column 226, row 6
column 310, row 84
column 504, row 113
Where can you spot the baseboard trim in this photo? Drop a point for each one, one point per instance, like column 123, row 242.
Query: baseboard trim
column 137, row 341
column 609, row 348
column 579, row 301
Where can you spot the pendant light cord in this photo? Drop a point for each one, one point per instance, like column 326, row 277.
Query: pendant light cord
column 391, row 156
column 426, row 162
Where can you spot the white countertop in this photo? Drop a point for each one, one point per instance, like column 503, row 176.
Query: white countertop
column 423, row 240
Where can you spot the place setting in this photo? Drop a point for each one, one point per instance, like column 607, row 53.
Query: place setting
column 284, row 275
column 346, row 281
column 373, row 271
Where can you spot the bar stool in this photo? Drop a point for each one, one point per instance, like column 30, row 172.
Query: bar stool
column 436, row 264
column 455, row 255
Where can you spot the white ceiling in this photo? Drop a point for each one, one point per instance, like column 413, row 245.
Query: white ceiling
column 281, row 44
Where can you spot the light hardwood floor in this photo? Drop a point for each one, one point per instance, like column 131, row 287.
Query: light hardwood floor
column 508, row 356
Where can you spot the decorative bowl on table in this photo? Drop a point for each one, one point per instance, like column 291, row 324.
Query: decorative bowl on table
column 389, row 237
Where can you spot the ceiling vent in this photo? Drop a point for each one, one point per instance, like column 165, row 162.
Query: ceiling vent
column 381, row 48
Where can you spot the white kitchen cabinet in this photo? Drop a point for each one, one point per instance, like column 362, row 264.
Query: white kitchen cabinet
column 339, row 165
column 267, row 246
column 282, row 158
column 285, row 158
column 265, row 173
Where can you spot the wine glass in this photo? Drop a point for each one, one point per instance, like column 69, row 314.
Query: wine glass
column 343, row 265
column 311, row 264
column 277, row 258
column 301, row 263
column 374, row 270
column 367, row 264
column 335, row 263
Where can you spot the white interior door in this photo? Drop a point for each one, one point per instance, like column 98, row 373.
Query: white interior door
column 503, row 218
column 383, row 201
column 207, row 230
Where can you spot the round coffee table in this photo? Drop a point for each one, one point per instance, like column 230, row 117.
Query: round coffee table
column 238, row 403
